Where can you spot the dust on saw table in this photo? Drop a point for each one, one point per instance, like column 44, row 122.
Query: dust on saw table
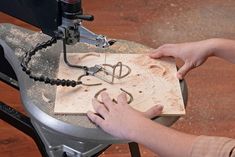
column 145, row 81
column 46, row 62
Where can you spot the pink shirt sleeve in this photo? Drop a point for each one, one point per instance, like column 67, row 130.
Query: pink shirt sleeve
column 209, row 146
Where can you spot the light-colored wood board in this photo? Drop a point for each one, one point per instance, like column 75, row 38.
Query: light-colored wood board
column 150, row 82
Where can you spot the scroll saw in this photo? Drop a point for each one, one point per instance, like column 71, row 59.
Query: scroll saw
column 61, row 21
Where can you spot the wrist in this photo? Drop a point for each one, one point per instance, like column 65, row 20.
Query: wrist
column 139, row 132
column 137, row 129
column 213, row 46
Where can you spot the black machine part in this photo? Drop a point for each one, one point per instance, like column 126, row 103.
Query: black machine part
column 48, row 15
column 43, row 14
column 60, row 19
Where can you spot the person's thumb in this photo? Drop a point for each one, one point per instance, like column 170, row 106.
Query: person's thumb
column 184, row 70
column 156, row 54
column 153, row 112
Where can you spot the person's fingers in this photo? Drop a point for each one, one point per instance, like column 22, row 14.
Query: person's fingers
column 95, row 118
column 163, row 51
column 156, row 54
column 122, row 99
column 100, row 108
column 184, row 70
column 106, row 99
column 154, row 111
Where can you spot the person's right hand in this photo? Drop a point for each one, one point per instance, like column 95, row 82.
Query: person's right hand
column 119, row 118
column 193, row 54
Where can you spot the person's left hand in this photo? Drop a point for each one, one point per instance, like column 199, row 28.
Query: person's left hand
column 119, row 119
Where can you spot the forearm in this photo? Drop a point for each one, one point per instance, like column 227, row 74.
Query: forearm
column 223, row 48
column 164, row 141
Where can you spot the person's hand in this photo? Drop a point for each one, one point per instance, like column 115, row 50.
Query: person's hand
column 193, row 54
column 119, row 119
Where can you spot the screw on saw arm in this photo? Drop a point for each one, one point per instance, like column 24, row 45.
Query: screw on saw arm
column 111, row 42
column 85, row 17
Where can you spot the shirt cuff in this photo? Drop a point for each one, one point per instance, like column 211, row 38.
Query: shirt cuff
column 210, row 146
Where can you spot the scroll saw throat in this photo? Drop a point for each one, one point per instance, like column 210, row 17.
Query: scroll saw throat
column 71, row 29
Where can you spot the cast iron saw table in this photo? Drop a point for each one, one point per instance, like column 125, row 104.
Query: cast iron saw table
column 55, row 135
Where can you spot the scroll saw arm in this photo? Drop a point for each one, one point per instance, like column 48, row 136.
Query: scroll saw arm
column 56, row 18
column 60, row 19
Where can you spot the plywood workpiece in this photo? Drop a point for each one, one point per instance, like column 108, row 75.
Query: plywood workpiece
column 149, row 82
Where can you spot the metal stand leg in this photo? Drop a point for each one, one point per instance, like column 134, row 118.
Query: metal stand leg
column 22, row 123
column 7, row 74
column 45, row 139
column 134, row 149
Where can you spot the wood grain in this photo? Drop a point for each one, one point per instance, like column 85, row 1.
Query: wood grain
column 149, row 82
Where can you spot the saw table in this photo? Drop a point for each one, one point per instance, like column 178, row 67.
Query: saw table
column 55, row 135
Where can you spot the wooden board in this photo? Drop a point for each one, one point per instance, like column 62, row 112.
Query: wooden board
column 150, row 82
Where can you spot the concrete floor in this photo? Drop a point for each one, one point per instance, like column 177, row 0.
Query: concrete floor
column 211, row 104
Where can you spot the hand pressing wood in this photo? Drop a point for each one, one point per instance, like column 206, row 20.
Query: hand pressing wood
column 149, row 82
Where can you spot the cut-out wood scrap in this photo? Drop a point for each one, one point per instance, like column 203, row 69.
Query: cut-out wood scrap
column 146, row 81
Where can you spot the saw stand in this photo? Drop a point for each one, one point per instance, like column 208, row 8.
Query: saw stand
column 55, row 135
